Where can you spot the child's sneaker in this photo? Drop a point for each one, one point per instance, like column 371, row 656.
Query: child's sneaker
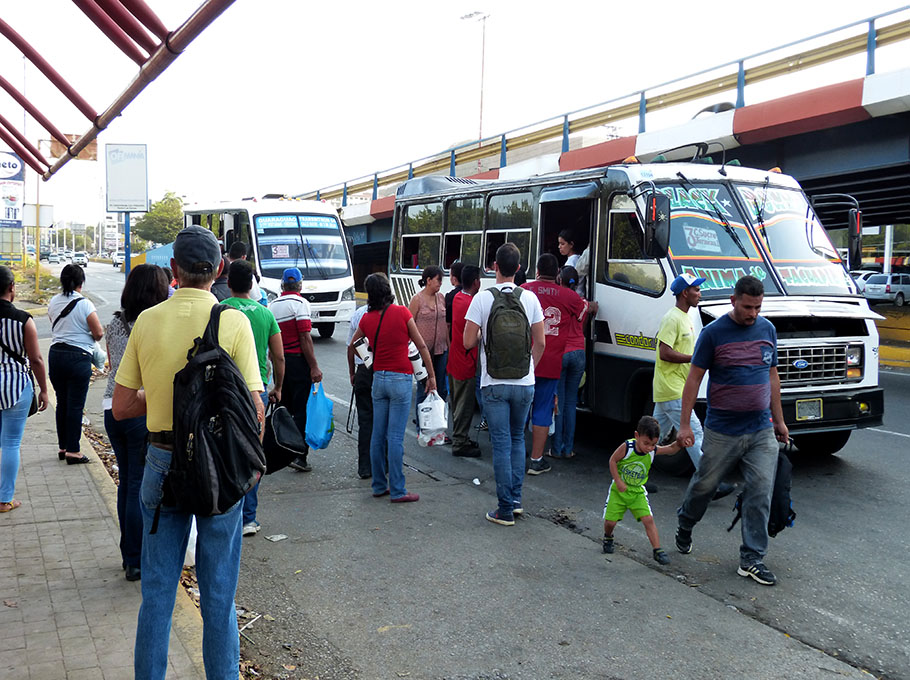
column 609, row 547
column 661, row 556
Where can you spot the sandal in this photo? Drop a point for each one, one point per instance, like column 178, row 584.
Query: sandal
column 570, row 454
column 12, row 505
column 82, row 460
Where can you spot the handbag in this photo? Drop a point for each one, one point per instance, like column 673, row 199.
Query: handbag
column 33, row 408
column 282, row 442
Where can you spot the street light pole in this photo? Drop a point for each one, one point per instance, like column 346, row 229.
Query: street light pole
column 482, row 18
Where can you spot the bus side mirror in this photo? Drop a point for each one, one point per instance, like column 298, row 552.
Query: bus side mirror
column 854, row 239
column 657, row 224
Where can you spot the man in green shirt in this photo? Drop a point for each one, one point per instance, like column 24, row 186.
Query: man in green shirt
column 675, row 344
column 268, row 340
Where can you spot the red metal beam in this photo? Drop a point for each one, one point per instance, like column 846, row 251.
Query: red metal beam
column 166, row 53
column 7, row 137
column 41, row 63
column 22, row 140
column 128, row 23
column 113, row 32
column 144, row 13
column 35, row 113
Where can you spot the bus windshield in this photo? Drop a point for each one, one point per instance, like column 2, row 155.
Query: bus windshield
column 710, row 239
column 797, row 243
column 312, row 243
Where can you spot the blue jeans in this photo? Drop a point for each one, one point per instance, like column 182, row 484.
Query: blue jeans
column 12, row 427
column 440, row 361
column 507, row 408
column 668, row 414
column 756, row 456
column 129, row 439
column 391, row 404
column 251, row 499
column 217, row 568
column 573, row 367
column 69, row 369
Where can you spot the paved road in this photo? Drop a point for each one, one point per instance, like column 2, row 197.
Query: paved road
column 103, row 284
column 361, row 591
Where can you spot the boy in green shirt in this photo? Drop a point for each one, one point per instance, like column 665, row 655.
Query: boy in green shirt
column 630, row 465
column 268, row 340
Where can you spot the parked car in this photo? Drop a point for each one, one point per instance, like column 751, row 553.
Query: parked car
column 860, row 277
column 81, row 259
column 53, row 258
column 118, row 258
column 888, row 288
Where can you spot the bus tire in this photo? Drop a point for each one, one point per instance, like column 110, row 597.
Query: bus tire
column 821, row 443
column 326, row 330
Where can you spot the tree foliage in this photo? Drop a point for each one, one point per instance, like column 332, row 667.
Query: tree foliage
column 162, row 222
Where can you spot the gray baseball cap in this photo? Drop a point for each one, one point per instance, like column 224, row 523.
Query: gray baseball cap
column 196, row 250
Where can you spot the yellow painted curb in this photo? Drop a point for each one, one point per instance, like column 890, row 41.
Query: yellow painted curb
column 37, row 311
column 891, row 355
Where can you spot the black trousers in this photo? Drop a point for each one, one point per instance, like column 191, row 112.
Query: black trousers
column 69, row 369
column 363, row 398
column 296, row 389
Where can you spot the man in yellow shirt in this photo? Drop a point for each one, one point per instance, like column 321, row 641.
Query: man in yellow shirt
column 675, row 344
column 156, row 351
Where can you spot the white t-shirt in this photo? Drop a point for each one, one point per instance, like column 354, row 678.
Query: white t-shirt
column 72, row 329
column 479, row 312
column 355, row 324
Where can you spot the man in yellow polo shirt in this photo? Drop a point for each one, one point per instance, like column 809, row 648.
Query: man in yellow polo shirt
column 675, row 344
column 156, row 351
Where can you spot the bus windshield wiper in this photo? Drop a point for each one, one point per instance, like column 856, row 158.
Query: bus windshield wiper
column 315, row 259
column 760, row 212
column 730, row 231
column 300, row 247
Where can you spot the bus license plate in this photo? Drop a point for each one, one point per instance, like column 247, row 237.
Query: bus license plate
column 808, row 409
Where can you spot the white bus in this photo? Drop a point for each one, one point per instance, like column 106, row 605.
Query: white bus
column 714, row 221
column 282, row 233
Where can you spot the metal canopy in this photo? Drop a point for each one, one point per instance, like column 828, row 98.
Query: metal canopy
column 133, row 27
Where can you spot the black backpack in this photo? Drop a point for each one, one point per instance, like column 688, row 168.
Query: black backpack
column 217, row 456
column 782, row 514
column 507, row 337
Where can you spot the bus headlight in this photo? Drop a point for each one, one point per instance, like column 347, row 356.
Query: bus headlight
column 854, row 355
column 348, row 295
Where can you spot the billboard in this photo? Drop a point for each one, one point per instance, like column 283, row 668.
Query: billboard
column 127, row 177
column 12, row 190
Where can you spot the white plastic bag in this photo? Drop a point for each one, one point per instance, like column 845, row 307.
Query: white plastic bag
column 433, row 417
column 189, row 559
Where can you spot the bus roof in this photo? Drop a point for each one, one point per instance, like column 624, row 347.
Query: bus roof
column 256, row 206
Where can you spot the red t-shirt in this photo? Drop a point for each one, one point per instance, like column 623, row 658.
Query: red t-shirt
column 391, row 354
column 559, row 305
column 462, row 363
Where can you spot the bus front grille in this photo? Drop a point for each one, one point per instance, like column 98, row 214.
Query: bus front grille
column 812, row 364
column 321, row 297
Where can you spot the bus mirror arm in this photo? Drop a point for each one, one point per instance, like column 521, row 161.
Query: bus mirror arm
column 657, row 224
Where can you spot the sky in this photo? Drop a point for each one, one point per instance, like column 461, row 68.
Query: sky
column 285, row 96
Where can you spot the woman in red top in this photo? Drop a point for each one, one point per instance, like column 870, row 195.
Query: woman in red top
column 388, row 328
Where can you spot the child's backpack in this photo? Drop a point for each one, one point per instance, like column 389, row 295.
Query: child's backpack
column 782, row 514
column 507, row 337
column 217, row 456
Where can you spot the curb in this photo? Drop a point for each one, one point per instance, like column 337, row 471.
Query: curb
column 894, row 356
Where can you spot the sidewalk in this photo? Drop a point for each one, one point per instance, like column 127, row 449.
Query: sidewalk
column 65, row 608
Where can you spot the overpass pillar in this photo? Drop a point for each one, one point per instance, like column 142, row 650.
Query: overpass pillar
column 870, row 49
column 889, row 247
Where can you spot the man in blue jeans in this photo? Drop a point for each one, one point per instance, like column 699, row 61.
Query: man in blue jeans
column 506, row 401
column 156, row 351
column 744, row 417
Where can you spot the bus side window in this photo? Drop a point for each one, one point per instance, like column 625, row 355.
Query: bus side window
column 626, row 264
column 421, row 235
column 464, row 225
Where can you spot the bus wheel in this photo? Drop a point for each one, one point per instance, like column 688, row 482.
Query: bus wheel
column 326, row 330
column 821, row 443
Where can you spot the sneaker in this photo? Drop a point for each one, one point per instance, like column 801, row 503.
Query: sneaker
column 251, row 528
column 683, row 540
column 484, row 426
column 609, row 547
column 300, row 464
column 538, row 467
column 759, row 572
column 497, row 518
column 517, row 509
column 661, row 556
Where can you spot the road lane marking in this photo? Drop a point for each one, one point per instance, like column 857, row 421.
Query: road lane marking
column 896, row 434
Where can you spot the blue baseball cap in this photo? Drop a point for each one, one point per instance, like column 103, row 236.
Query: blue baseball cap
column 683, row 281
column 291, row 275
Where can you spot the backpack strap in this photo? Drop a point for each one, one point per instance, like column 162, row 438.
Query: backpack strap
column 210, row 334
column 66, row 311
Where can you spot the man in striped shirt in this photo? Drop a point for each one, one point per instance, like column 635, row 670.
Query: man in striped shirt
column 292, row 312
column 744, row 418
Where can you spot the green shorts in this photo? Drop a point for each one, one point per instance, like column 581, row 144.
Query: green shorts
column 618, row 502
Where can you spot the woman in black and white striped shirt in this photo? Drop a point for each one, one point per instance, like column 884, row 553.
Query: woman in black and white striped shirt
column 18, row 351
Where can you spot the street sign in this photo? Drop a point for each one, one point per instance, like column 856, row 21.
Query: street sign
column 127, row 177
column 47, row 215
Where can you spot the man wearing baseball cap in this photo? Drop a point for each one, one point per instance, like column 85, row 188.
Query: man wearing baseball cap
column 675, row 344
column 292, row 312
column 156, row 351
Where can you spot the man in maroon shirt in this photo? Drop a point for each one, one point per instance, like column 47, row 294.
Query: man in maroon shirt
column 462, row 367
column 559, row 305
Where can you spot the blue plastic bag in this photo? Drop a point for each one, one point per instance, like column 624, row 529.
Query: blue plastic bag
column 319, row 423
